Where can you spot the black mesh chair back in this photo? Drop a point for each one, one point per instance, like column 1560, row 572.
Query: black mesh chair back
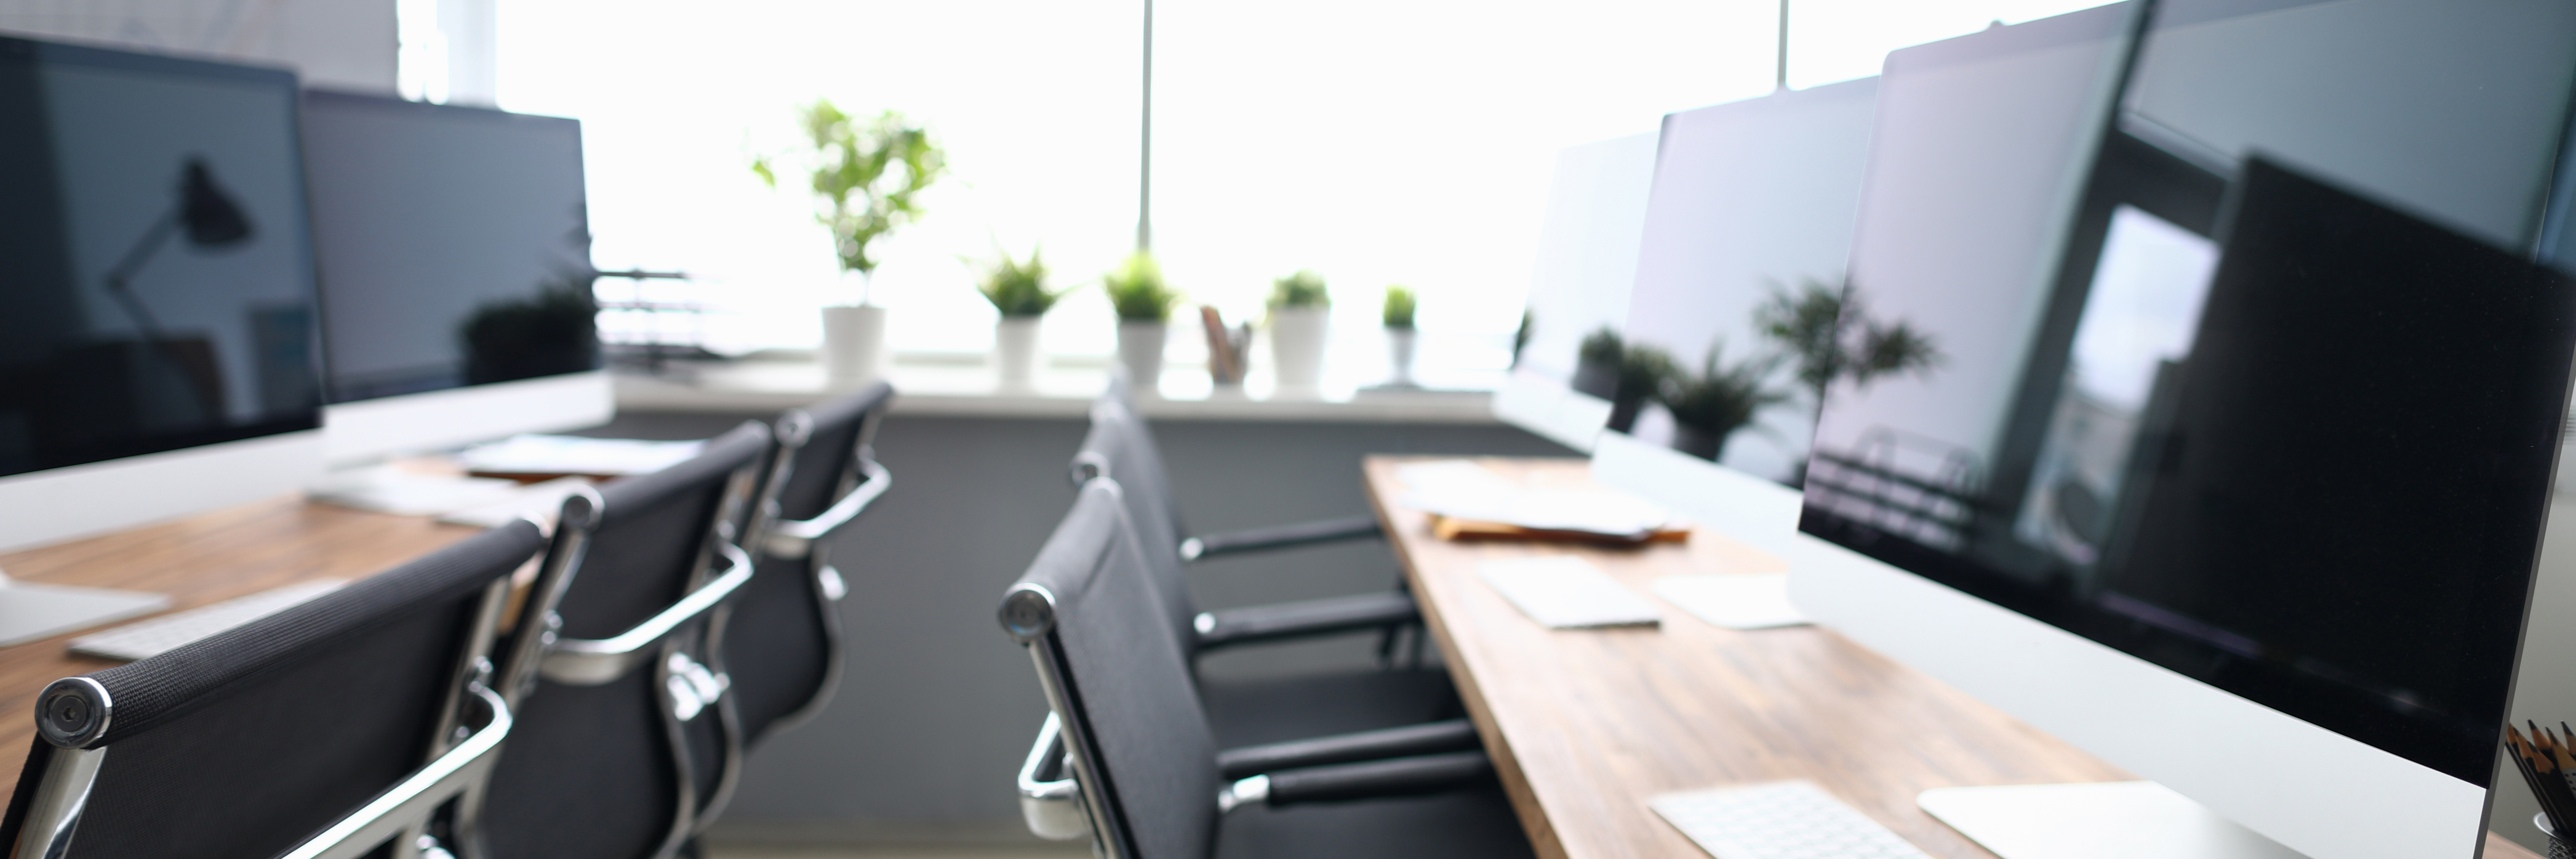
column 326, row 729
column 625, row 735
column 782, row 637
column 1119, row 684
column 1121, row 447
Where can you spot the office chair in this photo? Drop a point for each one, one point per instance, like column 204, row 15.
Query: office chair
column 1119, row 445
column 1127, row 757
column 324, row 730
column 783, row 634
column 626, row 738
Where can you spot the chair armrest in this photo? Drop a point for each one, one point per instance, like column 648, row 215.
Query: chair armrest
column 413, row 800
column 591, row 662
column 795, row 538
column 1306, row 618
column 1279, row 537
column 1395, row 777
column 1453, row 735
column 1050, row 799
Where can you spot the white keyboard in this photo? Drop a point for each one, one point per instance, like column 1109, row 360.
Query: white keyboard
column 150, row 638
column 1779, row 820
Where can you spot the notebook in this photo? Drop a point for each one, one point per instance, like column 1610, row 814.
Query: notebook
column 1567, row 592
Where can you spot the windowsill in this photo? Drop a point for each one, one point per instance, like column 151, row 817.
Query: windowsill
column 943, row 386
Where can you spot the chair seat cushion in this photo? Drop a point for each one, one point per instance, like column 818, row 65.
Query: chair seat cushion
column 1245, row 712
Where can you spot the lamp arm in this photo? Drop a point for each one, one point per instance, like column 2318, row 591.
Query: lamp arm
column 117, row 279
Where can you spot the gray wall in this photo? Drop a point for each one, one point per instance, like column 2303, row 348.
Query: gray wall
column 938, row 707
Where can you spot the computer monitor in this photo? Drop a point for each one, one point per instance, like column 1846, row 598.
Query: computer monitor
column 2234, row 466
column 156, row 353
column 1750, row 217
column 1587, row 259
column 454, row 249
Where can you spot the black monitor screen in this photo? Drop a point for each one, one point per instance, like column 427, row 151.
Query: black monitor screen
column 159, row 276
column 454, row 245
column 2276, row 403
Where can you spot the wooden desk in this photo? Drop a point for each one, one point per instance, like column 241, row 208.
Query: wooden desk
column 198, row 560
column 1585, row 725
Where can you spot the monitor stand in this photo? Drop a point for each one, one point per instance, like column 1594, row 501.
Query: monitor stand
column 2108, row 820
column 29, row 612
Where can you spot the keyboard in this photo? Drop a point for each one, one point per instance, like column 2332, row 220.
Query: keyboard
column 1779, row 820
column 152, row 637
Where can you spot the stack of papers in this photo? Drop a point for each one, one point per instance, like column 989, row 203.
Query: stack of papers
column 1566, row 592
column 564, row 454
column 1460, row 489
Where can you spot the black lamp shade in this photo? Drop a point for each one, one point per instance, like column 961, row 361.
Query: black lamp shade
column 213, row 220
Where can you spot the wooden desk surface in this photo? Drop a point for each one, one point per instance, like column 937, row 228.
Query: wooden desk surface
column 198, row 560
column 1584, row 725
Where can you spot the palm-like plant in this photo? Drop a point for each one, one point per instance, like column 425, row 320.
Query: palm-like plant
column 1827, row 331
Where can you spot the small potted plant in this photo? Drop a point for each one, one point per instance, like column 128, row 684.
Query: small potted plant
column 1596, row 364
column 1642, row 372
column 1017, row 289
column 866, row 174
column 1397, row 314
column 1299, row 314
column 1712, row 404
column 1144, row 304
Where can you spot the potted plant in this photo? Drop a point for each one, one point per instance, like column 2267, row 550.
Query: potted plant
column 867, row 174
column 1712, row 404
column 1642, row 371
column 1299, row 314
column 1397, row 314
column 1596, row 364
column 1144, row 304
column 1017, row 289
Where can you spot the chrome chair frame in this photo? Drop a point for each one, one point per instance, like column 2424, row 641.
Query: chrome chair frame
column 861, row 483
column 458, row 763
column 685, row 687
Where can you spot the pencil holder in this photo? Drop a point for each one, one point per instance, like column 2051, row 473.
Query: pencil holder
column 2559, row 848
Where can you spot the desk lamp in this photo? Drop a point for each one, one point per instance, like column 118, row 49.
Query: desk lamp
column 212, row 220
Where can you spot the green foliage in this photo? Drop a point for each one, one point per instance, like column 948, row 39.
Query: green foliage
column 1601, row 347
column 1303, row 289
column 1643, row 370
column 1398, row 312
column 553, row 331
column 1137, row 290
column 868, row 172
column 1828, row 332
column 1720, row 399
column 1018, row 289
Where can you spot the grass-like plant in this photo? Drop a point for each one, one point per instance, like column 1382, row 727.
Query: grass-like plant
column 868, row 173
column 1720, row 399
column 1018, row 289
column 1305, row 289
column 1398, row 311
column 1138, row 292
column 1643, row 370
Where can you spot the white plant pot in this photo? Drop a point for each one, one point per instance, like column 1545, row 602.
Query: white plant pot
column 1015, row 352
column 853, row 345
column 1399, row 355
column 1297, row 349
column 1140, row 350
